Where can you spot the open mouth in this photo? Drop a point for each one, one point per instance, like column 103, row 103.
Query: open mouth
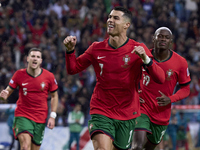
column 110, row 26
column 34, row 63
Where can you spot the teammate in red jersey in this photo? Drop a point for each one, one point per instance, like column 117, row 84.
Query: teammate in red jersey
column 31, row 112
column 156, row 98
column 117, row 62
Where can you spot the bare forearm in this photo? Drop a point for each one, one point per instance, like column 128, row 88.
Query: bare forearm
column 54, row 102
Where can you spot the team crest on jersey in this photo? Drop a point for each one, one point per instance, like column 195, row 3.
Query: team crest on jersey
column 126, row 59
column 169, row 74
column 42, row 86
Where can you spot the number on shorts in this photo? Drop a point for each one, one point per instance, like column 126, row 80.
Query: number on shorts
column 162, row 133
column 131, row 132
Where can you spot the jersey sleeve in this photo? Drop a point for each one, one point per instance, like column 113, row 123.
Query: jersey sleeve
column 184, row 75
column 184, row 81
column 75, row 65
column 53, row 83
column 13, row 81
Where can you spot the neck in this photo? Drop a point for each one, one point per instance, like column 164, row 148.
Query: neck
column 161, row 55
column 34, row 72
column 117, row 41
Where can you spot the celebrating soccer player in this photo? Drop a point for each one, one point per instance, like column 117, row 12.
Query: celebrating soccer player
column 157, row 98
column 117, row 62
column 31, row 112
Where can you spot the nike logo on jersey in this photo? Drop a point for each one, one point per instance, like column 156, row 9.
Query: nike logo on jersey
column 23, row 84
column 101, row 57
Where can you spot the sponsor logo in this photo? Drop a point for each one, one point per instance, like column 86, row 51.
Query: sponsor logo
column 23, row 84
column 101, row 57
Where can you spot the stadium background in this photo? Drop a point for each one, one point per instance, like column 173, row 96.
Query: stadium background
column 45, row 23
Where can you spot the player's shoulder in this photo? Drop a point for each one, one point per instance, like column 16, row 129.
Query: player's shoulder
column 100, row 43
column 46, row 72
column 178, row 57
column 21, row 71
column 134, row 43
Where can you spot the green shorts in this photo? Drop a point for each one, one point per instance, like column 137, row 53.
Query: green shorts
column 121, row 132
column 24, row 125
column 154, row 132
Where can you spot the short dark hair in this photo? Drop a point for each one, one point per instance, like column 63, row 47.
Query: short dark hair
column 126, row 12
column 35, row 49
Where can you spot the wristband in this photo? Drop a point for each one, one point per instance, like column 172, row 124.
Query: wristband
column 147, row 60
column 53, row 115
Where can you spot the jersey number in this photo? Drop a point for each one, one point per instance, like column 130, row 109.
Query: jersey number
column 25, row 91
column 101, row 66
column 146, row 79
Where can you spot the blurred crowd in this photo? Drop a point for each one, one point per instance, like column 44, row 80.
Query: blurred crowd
column 45, row 23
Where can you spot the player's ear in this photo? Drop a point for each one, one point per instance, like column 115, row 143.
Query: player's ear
column 153, row 39
column 127, row 25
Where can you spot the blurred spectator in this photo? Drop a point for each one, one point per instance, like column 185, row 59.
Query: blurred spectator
column 75, row 121
column 182, row 130
column 193, row 98
column 173, row 127
column 62, row 112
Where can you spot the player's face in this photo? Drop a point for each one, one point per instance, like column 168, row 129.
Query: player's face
column 115, row 23
column 34, row 59
column 162, row 40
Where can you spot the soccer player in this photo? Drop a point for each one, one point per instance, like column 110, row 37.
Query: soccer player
column 117, row 62
column 31, row 112
column 157, row 98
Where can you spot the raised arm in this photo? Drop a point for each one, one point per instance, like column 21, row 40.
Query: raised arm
column 75, row 65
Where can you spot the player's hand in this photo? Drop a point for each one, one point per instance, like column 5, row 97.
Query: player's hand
column 4, row 94
column 163, row 100
column 51, row 123
column 139, row 50
column 70, row 42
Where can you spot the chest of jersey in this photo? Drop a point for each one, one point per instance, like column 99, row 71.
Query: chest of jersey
column 172, row 74
column 33, row 85
column 117, row 66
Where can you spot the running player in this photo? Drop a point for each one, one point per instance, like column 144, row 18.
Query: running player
column 156, row 99
column 31, row 112
column 117, row 62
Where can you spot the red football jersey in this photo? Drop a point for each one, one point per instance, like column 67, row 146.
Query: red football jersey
column 118, row 72
column 176, row 71
column 33, row 93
